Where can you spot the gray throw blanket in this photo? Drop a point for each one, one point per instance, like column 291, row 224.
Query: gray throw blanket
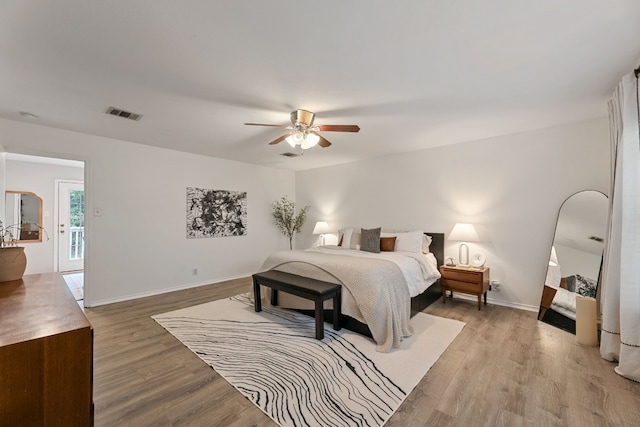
column 374, row 291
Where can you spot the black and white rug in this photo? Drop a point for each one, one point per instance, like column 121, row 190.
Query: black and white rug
column 274, row 360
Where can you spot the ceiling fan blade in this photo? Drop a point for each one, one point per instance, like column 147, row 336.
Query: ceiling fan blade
column 339, row 128
column 322, row 142
column 279, row 140
column 262, row 124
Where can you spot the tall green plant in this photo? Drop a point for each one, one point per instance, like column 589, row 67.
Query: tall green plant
column 286, row 219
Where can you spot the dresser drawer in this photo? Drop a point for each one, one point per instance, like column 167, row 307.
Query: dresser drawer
column 472, row 288
column 464, row 276
column 467, row 281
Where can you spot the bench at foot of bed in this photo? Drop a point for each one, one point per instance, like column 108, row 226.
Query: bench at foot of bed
column 304, row 287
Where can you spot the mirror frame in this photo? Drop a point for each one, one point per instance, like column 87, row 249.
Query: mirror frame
column 39, row 224
column 547, row 297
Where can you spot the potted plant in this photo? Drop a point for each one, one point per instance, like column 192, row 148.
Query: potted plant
column 286, row 219
column 13, row 261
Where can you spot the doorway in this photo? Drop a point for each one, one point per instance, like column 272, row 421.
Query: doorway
column 42, row 175
column 70, row 226
column 70, row 235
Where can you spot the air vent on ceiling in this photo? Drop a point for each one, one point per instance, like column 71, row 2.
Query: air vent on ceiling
column 121, row 113
column 290, row 154
column 596, row 238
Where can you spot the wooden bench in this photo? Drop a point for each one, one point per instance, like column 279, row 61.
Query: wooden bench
column 304, row 287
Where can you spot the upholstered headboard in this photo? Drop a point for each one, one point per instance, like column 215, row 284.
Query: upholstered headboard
column 437, row 246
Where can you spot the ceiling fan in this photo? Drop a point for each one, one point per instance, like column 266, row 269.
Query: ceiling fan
column 303, row 133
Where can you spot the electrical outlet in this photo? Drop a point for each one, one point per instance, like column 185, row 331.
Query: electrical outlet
column 495, row 285
column 195, row 271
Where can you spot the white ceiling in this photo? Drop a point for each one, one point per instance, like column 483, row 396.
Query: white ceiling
column 411, row 74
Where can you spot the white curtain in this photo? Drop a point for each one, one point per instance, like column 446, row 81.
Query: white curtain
column 620, row 339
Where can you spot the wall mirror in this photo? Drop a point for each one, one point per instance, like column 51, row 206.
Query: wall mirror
column 575, row 257
column 23, row 216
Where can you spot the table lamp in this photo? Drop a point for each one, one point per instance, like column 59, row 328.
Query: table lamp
column 321, row 228
column 463, row 232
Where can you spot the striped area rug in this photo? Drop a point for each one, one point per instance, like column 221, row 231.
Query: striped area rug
column 274, row 360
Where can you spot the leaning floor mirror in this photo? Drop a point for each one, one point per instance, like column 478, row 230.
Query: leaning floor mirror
column 575, row 258
column 23, row 213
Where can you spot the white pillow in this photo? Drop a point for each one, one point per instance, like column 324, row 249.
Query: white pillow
column 426, row 243
column 350, row 238
column 407, row 242
column 410, row 242
column 355, row 239
column 344, row 237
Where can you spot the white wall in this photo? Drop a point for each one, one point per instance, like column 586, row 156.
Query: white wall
column 40, row 178
column 573, row 261
column 509, row 187
column 138, row 246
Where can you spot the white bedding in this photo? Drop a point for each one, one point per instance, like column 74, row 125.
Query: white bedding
column 419, row 270
column 377, row 288
column 564, row 302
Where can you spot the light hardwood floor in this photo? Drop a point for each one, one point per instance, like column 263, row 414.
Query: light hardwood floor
column 75, row 283
column 505, row 368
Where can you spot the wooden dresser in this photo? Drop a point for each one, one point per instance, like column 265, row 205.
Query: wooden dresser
column 468, row 280
column 46, row 354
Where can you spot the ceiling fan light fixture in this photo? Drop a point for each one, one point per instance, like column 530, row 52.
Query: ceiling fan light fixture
column 291, row 141
column 310, row 141
column 296, row 138
column 303, row 133
column 302, row 117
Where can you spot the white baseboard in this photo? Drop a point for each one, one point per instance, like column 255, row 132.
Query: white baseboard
column 490, row 300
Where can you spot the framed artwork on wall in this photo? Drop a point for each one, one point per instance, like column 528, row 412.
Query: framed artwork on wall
column 216, row 213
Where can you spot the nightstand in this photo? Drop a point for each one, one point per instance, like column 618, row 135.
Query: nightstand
column 468, row 280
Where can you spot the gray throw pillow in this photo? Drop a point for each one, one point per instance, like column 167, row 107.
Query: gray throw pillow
column 370, row 240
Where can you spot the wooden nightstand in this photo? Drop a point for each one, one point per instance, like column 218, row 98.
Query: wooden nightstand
column 468, row 280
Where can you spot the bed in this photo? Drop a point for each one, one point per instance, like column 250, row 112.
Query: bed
column 559, row 302
column 380, row 290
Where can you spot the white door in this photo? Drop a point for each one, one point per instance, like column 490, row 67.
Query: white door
column 70, row 226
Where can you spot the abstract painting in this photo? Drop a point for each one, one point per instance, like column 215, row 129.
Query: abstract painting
column 216, row 213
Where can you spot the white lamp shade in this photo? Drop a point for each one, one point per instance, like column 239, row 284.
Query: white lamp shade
column 321, row 227
column 291, row 141
column 554, row 275
column 310, row 141
column 463, row 232
column 297, row 138
column 553, row 260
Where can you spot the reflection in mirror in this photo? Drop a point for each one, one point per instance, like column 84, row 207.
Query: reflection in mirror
column 23, row 213
column 575, row 259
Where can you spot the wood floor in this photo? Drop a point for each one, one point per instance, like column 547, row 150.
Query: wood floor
column 505, row 368
column 75, row 283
